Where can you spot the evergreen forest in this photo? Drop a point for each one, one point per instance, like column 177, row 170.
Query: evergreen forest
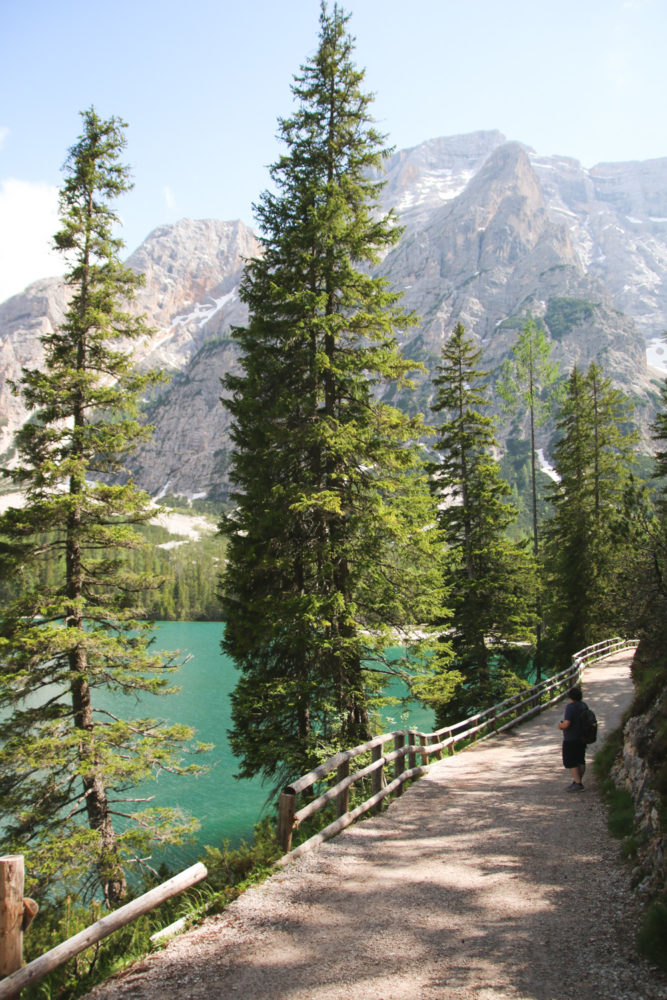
column 353, row 525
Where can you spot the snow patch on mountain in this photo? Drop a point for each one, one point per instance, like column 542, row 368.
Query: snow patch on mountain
column 656, row 354
column 203, row 311
column 444, row 185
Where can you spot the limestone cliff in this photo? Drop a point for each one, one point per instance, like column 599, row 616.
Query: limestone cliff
column 492, row 233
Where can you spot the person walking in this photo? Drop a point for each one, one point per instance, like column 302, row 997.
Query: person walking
column 574, row 746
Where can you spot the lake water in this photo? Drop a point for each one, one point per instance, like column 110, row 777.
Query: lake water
column 226, row 808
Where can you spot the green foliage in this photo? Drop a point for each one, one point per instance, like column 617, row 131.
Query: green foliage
column 230, row 872
column 621, row 808
column 72, row 627
column 330, row 549
column 619, row 801
column 515, row 469
column 653, row 931
column 488, row 580
column 527, row 387
column 563, row 314
column 590, row 535
column 182, row 573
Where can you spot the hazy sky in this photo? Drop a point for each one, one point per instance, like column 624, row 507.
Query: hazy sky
column 201, row 84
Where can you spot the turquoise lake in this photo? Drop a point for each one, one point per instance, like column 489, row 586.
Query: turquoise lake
column 226, row 808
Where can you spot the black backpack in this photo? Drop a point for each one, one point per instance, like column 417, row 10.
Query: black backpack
column 587, row 724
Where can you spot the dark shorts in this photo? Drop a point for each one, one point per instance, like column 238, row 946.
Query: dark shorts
column 574, row 753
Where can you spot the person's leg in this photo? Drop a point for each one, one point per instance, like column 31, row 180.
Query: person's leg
column 573, row 760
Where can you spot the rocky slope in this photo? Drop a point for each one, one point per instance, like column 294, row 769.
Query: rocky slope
column 192, row 272
column 492, row 233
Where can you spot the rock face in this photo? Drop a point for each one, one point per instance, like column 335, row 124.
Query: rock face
column 492, row 233
column 23, row 320
column 633, row 771
column 499, row 249
column 192, row 273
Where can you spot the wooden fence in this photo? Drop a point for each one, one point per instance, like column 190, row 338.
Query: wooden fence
column 406, row 746
column 16, row 913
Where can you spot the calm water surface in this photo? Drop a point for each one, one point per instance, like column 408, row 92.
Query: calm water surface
column 226, row 808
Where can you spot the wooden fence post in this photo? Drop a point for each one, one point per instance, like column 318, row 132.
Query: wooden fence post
column 412, row 757
column 399, row 762
column 50, row 960
column 286, row 811
column 423, row 740
column 11, row 913
column 343, row 798
column 377, row 776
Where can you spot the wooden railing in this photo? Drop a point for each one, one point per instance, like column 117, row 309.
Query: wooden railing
column 408, row 745
column 15, row 916
column 16, row 912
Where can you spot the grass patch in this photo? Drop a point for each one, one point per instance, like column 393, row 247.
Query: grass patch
column 653, row 932
column 619, row 801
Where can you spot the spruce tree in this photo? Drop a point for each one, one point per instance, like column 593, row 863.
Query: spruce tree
column 642, row 577
column 591, row 505
column 660, row 437
column 331, row 542
column 490, row 582
column 67, row 763
column 526, row 386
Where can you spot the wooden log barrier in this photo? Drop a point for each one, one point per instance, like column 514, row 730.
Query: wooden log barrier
column 399, row 762
column 377, row 779
column 11, row 914
column 286, row 811
column 343, row 799
column 412, row 756
column 34, row 971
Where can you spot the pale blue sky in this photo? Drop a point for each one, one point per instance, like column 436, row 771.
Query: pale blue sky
column 201, row 84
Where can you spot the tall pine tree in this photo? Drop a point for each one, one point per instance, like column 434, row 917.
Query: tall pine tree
column 331, row 543
column 585, row 535
column 67, row 763
column 527, row 388
column 490, row 581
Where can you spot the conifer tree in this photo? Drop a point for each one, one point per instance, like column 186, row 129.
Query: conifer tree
column 330, row 549
column 66, row 762
column 526, row 386
column 594, row 459
column 489, row 580
column 643, row 575
column 660, row 437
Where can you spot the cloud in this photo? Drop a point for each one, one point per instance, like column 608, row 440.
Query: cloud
column 169, row 198
column 28, row 220
column 4, row 132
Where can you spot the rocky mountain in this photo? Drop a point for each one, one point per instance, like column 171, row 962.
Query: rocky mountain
column 492, row 233
column 192, row 272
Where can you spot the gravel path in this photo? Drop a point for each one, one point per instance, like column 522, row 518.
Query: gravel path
column 484, row 881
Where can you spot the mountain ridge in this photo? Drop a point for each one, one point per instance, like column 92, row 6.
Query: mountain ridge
column 492, row 233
